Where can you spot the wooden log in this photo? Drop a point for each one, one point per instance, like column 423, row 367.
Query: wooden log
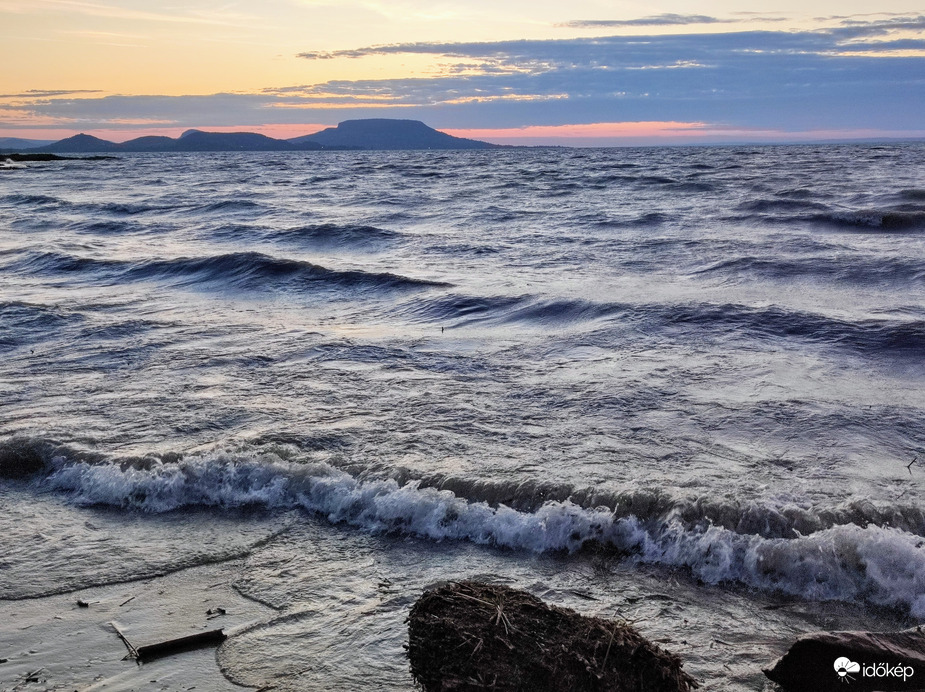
column 180, row 644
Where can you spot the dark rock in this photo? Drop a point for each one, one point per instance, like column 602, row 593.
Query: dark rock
column 869, row 661
column 19, row 459
column 471, row 636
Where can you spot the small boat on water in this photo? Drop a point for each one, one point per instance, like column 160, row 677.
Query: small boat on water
column 10, row 164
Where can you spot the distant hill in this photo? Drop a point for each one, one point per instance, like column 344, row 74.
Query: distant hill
column 189, row 141
column 350, row 134
column 78, row 144
column 150, row 144
column 15, row 143
column 383, row 133
column 197, row 140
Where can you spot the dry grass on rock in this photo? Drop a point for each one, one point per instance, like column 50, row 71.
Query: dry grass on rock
column 470, row 636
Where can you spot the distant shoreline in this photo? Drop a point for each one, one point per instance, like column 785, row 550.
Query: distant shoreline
column 26, row 158
column 376, row 134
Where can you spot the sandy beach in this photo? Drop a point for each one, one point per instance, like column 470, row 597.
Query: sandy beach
column 52, row 643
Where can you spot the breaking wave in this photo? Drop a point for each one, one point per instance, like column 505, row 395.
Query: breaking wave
column 878, row 562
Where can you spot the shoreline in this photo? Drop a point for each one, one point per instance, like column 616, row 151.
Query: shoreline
column 52, row 642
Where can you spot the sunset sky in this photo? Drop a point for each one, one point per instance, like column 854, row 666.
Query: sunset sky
column 580, row 72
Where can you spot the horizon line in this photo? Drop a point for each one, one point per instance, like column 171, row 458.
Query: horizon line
column 602, row 134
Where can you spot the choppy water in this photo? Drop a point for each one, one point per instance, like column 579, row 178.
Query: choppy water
column 682, row 382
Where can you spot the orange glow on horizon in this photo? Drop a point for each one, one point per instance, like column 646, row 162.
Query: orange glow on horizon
column 668, row 132
column 587, row 130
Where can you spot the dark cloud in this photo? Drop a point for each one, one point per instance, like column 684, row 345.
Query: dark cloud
column 858, row 28
column 655, row 20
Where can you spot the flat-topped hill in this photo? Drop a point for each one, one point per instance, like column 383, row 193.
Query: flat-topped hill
column 383, row 133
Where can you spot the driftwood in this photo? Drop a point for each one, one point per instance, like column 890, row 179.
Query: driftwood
column 168, row 647
column 180, row 644
column 869, row 661
column 469, row 636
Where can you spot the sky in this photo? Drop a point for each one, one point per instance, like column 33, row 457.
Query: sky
column 583, row 72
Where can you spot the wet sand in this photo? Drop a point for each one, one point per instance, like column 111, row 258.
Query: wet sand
column 52, row 643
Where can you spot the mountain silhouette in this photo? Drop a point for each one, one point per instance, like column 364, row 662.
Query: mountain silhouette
column 79, row 144
column 197, row 140
column 16, row 143
column 380, row 133
column 384, row 133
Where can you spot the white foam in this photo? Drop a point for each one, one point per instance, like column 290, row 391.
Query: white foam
column 881, row 565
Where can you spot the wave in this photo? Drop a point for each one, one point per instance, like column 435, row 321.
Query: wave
column 252, row 270
column 110, row 227
column 18, row 315
column 525, row 310
column 871, row 336
column 164, row 205
column 874, row 337
column 763, row 206
column 550, row 312
column 652, row 218
column 122, row 208
column 456, row 307
column 26, row 200
column 877, row 562
column 874, row 219
column 94, row 209
column 334, row 235
column 56, row 263
column 28, row 322
column 227, row 205
column 856, row 271
column 870, row 220
column 779, row 518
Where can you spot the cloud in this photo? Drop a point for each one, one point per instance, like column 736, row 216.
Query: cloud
column 768, row 79
column 612, row 51
column 886, row 47
column 735, row 81
column 39, row 93
column 855, row 28
column 655, row 20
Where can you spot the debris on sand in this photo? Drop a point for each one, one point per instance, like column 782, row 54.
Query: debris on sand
column 169, row 647
column 470, row 636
